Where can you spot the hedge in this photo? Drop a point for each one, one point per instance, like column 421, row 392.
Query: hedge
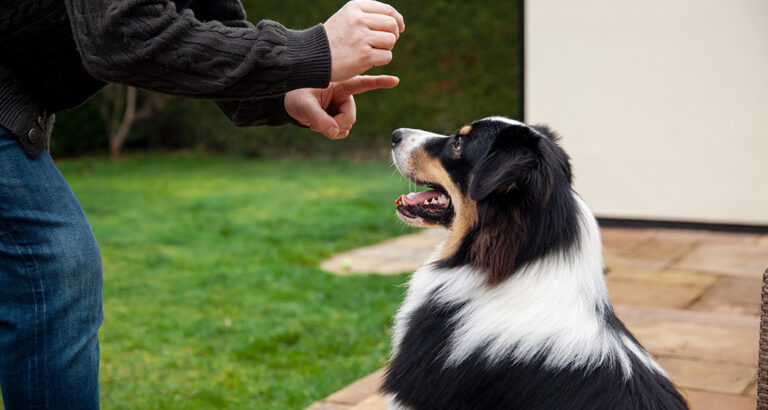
column 457, row 61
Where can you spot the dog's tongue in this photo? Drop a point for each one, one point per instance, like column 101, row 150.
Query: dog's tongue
column 416, row 198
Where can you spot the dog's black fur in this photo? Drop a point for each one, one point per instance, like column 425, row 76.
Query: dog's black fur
column 522, row 185
column 520, row 180
column 419, row 378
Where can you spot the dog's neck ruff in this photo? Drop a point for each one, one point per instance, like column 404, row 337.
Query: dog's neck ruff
column 554, row 309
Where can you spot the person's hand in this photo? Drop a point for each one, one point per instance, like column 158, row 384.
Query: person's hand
column 361, row 35
column 331, row 111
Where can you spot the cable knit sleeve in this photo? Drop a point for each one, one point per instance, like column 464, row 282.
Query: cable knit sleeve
column 244, row 113
column 150, row 44
column 264, row 111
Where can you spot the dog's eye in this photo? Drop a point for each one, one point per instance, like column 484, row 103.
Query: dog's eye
column 457, row 143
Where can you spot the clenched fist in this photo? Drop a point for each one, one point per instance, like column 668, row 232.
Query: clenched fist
column 361, row 35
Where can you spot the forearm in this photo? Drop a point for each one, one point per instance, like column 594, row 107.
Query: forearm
column 150, row 44
column 264, row 111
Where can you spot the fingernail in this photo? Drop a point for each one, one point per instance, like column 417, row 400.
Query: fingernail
column 332, row 131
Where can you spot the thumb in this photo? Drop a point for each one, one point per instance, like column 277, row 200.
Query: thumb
column 320, row 121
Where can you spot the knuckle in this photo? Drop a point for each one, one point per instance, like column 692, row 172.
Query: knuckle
column 393, row 24
column 391, row 40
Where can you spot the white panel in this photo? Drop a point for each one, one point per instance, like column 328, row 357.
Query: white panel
column 663, row 105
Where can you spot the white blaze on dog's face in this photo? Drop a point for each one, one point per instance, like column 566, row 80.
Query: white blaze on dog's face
column 430, row 207
column 493, row 169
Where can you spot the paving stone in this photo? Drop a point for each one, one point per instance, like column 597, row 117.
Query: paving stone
column 647, row 293
column 699, row 400
column 399, row 255
column 624, row 239
column 708, row 376
column 730, row 259
column 699, row 236
column 324, row 405
column 664, row 277
column 375, row 402
column 651, row 314
column 752, row 389
column 714, row 343
column 732, row 295
column 359, row 390
column 650, row 254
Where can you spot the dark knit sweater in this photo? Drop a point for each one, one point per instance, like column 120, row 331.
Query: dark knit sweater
column 53, row 56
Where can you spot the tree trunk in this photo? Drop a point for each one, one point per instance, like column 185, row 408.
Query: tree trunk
column 117, row 137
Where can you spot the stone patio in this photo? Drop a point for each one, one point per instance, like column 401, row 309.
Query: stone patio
column 692, row 298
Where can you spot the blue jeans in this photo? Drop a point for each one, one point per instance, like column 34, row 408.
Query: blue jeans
column 50, row 288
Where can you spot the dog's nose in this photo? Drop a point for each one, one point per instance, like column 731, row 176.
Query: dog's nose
column 397, row 136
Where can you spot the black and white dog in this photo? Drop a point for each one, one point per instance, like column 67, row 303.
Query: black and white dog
column 512, row 310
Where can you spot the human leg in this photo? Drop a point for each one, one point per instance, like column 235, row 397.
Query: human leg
column 50, row 288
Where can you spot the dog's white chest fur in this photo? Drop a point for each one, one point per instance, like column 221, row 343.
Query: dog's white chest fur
column 553, row 307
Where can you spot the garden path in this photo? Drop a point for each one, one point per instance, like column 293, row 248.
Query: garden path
column 692, row 298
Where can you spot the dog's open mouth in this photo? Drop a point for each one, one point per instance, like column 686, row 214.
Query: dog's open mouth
column 431, row 207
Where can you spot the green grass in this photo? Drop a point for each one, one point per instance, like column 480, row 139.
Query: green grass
column 212, row 294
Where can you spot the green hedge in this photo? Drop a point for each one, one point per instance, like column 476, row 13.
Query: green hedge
column 457, row 61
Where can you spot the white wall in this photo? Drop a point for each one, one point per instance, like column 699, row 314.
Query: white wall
column 662, row 104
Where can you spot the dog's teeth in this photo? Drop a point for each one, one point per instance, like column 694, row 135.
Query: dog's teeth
column 426, row 202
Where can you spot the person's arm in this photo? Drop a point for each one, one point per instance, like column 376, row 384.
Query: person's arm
column 330, row 111
column 242, row 113
column 149, row 44
column 262, row 111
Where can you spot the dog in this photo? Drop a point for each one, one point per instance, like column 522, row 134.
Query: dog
column 511, row 311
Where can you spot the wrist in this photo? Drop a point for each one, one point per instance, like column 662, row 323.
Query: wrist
column 310, row 56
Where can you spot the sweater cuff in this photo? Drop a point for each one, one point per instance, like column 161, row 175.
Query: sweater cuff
column 310, row 57
column 263, row 111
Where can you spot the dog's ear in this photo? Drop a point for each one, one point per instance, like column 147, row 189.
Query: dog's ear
column 513, row 165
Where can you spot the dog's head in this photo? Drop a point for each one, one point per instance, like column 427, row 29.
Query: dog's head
column 503, row 188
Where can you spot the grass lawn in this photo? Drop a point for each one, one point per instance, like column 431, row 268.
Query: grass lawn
column 212, row 294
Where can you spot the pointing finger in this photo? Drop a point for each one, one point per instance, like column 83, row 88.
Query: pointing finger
column 363, row 83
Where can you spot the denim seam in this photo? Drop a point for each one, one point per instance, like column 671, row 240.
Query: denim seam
column 29, row 265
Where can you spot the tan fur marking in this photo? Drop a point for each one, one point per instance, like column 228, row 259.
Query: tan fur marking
column 465, row 130
column 464, row 219
column 426, row 168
